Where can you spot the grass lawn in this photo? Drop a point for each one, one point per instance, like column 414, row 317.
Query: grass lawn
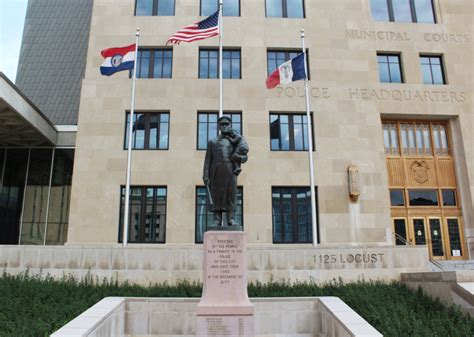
column 37, row 306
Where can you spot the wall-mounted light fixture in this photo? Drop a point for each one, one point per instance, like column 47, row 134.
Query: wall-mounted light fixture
column 354, row 186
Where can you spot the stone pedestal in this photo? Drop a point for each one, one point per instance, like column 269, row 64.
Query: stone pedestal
column 224, row 309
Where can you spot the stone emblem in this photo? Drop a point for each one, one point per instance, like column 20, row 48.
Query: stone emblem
column 420, row 168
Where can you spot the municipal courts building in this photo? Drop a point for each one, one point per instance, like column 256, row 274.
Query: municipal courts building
column 391, row 98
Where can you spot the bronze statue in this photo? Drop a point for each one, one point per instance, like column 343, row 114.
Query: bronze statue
column 224, row 156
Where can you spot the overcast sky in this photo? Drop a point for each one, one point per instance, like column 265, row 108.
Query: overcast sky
column 12, row 19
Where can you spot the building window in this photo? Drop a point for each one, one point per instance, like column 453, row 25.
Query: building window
column 154, row 7
column 209, row 63
column 390, row 70
column 229, row 8
column 390, row 138
column 150, row 131
column 284, row 8
column 147, row 214
column 205, row 218
column 397, row 198
column 449, row 197
column 277, row 57
column 291, row 214
column 207, row 126
column 423, row 197
column 440, row 139
column 288, row 132
column 432, row 69
column 420, row 11
column 415, row 138
column 154, row 63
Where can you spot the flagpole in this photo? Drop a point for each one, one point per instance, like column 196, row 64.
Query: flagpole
column 310, row 146
column 129, row 152
column 220, row 60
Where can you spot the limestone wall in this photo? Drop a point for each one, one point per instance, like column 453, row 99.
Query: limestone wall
column 147, row 265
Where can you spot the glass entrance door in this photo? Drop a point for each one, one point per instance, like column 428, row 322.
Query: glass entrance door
column 436, row 242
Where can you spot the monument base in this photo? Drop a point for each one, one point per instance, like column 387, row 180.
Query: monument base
column 235, row 326
column 225, row 309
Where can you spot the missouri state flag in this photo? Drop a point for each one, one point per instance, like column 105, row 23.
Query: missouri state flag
column 117, row 59
column 290, row 71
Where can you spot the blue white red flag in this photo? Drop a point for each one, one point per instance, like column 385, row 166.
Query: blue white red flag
column 290, row 71
column 117, row 59
column 201, row 30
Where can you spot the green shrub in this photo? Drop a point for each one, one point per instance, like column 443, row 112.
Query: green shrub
column 37, row 306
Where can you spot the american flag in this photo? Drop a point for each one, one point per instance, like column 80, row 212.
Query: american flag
column 201, row 30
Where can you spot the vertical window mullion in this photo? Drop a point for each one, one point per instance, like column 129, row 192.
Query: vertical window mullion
column 282, row 217
column 391, row 15
column 294, row 216
column 284, row 9
column 143, row 213
column 146, row 146
column 155, row 7
column 413, row 11
column 431, row 71
column 291, row 132
column 151, row 64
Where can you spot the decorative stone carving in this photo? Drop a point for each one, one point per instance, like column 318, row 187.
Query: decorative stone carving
column 420, row 168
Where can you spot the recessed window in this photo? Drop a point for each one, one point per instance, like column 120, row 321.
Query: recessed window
column 449, row 197
column 423, row 197
column 207, row 126
column 147, row 211
column 150, row 131
column 291, row 214
column 284, row 8
column 154, row 63
column 432, row 69
column 288, row 132
column 205, row 218
column 229, row 8
column 397, row 198
column 209, row 63
column 154, row 7
column 420, row 11
column 390, row 70
column 415, row 139
column 400, row 232
column 440, row 139
column 277, row 57
column 390, row 138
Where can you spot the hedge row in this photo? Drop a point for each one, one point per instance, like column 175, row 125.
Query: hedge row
column 37, row 306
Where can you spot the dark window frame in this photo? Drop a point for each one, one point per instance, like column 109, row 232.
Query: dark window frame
column 155, row 9
column 235, row 16
column 217, row 70
column 226, row 112
column 413, row 15
column 151, row 64
column 287, row 52
column 400, row 65
column 148, row 115
column 239, row 187
column 294, row 191
column 291, row 130
column 143, row 205
column 436, row 190
column 284, row 10
column 441, row 64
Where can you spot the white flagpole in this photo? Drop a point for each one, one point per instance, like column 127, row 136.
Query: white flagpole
column 220, row 60
column 129, row 152
column 310, row 146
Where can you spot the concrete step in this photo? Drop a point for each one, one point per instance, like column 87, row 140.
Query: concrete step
column 455, row 265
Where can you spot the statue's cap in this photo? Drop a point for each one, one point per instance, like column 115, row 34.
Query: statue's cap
column 227, row 118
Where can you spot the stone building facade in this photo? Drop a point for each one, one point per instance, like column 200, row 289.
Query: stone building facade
column 390, row 94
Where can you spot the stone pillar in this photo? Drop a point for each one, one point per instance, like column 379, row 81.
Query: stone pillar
column 225, row 309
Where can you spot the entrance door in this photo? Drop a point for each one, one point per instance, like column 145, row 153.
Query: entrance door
column 428, row 231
